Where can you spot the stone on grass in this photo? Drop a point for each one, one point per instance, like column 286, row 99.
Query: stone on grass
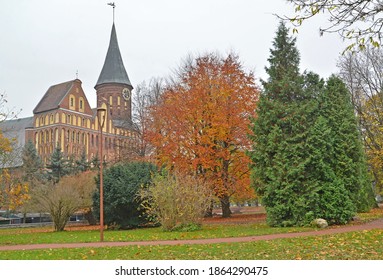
column 320, row 223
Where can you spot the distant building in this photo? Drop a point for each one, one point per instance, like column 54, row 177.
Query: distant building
column 64, row 118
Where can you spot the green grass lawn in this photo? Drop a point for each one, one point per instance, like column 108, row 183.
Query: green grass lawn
column 366, row 245
column 30, row 236
column 355, row 245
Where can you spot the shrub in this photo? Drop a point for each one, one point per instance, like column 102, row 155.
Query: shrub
column 61, row 200
column 121, row 201
column 178, row 202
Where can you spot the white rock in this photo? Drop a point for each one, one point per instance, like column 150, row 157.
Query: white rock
column 320, row 223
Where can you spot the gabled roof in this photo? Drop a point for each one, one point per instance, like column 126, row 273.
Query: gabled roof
column 52, row 98
column 125, row 125
column 14, row 129
column 113, row 70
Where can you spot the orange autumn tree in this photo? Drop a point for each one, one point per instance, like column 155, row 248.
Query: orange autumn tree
column 201, row 124
column 13, row 193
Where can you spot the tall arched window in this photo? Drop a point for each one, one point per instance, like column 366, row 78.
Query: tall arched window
column 72, row 102
column 81, row 104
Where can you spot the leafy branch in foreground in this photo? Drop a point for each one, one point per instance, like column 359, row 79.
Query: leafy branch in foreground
column 359, row 20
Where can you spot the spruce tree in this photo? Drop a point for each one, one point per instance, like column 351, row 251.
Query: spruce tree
column 58, row 166
column 349, row 162
column 82, row 163
column 307, row 154
column 95, row 162
column 326, row 195
column 32, row 163
column 284, row 114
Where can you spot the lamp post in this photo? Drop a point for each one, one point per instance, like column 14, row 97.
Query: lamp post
column 101, row 112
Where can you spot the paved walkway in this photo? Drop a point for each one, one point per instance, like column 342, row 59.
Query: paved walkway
column 378, row 224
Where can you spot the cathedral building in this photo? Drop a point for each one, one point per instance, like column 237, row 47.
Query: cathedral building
column 63, row 117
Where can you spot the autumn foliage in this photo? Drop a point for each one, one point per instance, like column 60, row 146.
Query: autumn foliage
column 13, row 193
column 201, row 124
column 373, row 136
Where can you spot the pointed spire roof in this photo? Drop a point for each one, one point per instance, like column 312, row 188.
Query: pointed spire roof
column 113, row 70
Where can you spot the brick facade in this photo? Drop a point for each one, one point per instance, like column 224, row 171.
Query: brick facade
column 64, row 118
column 73, row 125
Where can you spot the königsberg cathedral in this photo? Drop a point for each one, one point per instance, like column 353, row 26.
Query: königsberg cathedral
column 63, row 117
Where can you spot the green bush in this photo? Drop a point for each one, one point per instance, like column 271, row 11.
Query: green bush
column 121, row 187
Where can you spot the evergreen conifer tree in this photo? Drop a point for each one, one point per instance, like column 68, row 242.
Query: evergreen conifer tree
column 284, row 114
column 95, row 162
column 82, row 163
column 349, row 162
column 32, row 163
column 326, row 195
column 307, row 154
column 58, row 165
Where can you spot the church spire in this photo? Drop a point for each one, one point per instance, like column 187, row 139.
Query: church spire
column 113, row 70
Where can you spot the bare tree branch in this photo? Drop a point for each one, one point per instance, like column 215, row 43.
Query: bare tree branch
column 357, row 20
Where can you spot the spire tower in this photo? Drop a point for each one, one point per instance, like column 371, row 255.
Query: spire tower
column 113, row 87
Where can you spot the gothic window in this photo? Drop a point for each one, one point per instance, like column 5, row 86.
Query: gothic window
column 72, row 102
column 81, row 104
column 56, row 140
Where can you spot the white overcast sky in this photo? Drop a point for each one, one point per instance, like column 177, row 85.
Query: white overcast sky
column 44, row 42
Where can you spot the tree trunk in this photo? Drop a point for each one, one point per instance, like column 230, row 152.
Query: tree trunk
column 90, row 217
column 209, row 211
column 225, row 204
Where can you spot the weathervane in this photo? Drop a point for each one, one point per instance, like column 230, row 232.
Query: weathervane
column 114, row 6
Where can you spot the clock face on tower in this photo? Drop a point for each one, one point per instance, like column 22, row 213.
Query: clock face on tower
column 126, row 94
